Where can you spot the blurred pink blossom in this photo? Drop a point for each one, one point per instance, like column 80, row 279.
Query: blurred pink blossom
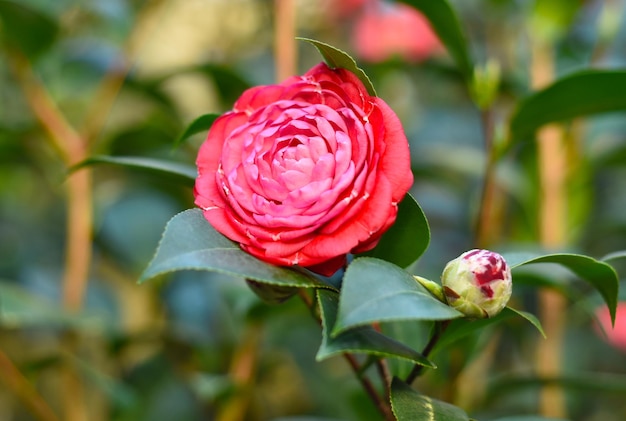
column 615, row 335
column 342, row 9
column 384, row 30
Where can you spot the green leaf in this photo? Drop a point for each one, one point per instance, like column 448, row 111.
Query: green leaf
column 363, row 339
column 600, row 275
column 581, row 381
column 336, row 58
column 19, row 308
column 409, row 405
column 408, row 237
column 545, row 279
column 529, row 418
column 191, row 243
column 614, row 256
column 582, row 93
column 182, row 173
column 305, row 418
column 227, row 81
column 200, row 124
column 446, row 25
column 26, row 29
column 529, row 317
column 377, row 291
column 552, row 19
column 271, row 294
column 461, row 328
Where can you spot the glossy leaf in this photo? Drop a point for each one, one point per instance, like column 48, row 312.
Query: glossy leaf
column 363, row 339
column 408, row 237
column 199, row 125
column 377, row 291
column 336, row 58
column 190, row 243
column 446, row 25
column 599, row 274
column 461, row 328
column 583, row 93
column 410, row 405
column 182, row 173
column 26, row 29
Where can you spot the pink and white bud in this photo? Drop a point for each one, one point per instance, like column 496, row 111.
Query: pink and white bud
column 477, row 283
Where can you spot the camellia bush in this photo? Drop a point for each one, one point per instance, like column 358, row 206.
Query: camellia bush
column 326, row 252
column 302, row 174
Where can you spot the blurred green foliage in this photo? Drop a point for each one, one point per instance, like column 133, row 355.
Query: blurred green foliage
column 165, row 350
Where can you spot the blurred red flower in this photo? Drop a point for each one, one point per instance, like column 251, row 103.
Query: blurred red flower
column 385, row 30
column 615, row 335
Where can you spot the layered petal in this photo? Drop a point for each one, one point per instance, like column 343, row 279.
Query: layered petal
column 304, row 172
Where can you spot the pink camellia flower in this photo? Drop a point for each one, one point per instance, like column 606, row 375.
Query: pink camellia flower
column 304, row 172
column 615, row 335
column 393, row 29
column 478, row 283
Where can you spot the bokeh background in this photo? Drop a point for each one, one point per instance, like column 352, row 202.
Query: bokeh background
column 127, row 77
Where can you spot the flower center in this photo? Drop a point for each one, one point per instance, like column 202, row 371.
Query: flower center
column 293, row 168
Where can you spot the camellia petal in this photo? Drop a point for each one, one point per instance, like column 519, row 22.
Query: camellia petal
column 305, row 172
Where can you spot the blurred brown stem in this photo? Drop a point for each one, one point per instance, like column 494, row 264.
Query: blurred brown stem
column 284, row 38
column 242, row 371
column 440, row 327
column 385, row 375
column 487, row 224
column 366, row 383
column 380, row 403
column 552, row 217
column 72, row 149
column 25, row 391
column 113, row 80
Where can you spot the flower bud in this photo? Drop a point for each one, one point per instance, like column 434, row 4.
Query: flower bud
column 477, row 283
